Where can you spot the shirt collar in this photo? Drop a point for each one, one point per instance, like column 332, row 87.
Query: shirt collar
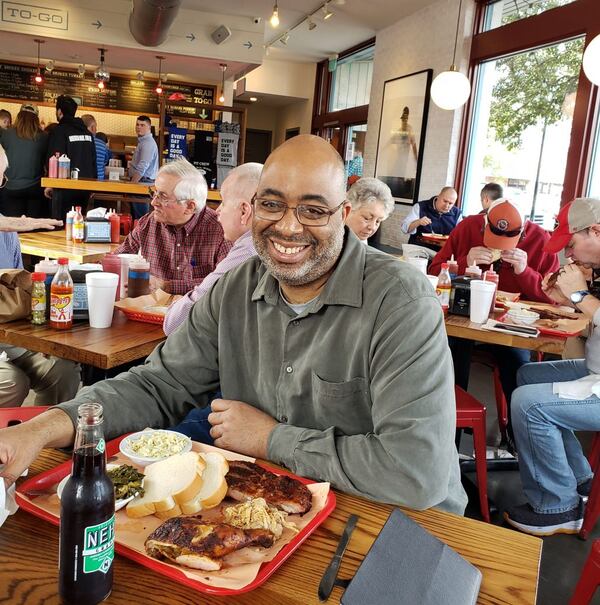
column 344, row 287
column 145, row 136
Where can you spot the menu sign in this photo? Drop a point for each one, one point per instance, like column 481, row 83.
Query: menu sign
column 120, row 93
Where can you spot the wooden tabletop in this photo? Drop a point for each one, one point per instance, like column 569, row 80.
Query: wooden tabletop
column 126, row 187
column 103, row 348
column 461, row 327
column 508, row 560
column 53, row 244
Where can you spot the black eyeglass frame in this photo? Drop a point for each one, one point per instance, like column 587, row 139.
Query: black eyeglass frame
column 327, row 212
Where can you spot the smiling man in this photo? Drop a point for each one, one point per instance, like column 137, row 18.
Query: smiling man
column 182, row 239
column 332, row 357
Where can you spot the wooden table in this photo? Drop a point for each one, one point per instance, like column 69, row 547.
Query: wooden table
column 461, row 327
column 105, row 348
column 53, row 244
column 508, row 560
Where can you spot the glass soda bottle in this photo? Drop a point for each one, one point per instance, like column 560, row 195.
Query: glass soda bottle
column 87, row 517
column 78, row 232
column 61, row 297
column 443, row 288
column 38, row 298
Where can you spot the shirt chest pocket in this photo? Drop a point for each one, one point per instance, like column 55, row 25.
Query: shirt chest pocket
column 345, row 405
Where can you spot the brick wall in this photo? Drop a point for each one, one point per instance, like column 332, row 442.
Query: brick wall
column 423, row 40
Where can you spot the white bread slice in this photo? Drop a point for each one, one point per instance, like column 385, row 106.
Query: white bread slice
column 167, row 481
column 214, row 486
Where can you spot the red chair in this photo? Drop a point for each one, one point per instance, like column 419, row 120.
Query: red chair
column 470, row 413
column 11, row 416
column 589, row 579
column 592, row 508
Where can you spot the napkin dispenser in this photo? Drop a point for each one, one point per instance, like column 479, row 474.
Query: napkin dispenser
column 460, row 296
column 97, row 230
column 80, row 298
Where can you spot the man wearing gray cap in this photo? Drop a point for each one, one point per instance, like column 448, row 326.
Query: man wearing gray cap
column 556, row 398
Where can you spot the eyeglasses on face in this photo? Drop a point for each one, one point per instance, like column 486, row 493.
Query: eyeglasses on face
column 162, row 198
column 306, row 214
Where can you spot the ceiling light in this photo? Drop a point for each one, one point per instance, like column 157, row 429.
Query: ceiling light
column 451, row 89
column 101, row 84
column 253, row 99
column 159, row 89
column 102, row 75
column 591, row 61
column 339, row 2
column 284, row 39
column 327, row 14
column 311, row 24
column 81, row 70
column 274, row 20
column 38, row 74
column 223, row 67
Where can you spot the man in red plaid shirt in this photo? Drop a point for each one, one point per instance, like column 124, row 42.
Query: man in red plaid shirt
column 182, row 238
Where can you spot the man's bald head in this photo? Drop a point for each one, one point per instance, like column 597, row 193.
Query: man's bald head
column 446, row 199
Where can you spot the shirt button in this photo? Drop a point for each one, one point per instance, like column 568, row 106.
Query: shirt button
column 284, row 419
column 289, row 369
column 178, row 245
column 177, row 268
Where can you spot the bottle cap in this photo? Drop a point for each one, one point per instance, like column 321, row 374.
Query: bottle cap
column 38, row 276
column 63, row 261
column 445, row 265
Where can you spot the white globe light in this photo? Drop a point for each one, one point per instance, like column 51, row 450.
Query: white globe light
column 591, row 61
column 450, row 89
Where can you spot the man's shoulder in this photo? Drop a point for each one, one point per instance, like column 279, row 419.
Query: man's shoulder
column 536, row 230
column 208, row 219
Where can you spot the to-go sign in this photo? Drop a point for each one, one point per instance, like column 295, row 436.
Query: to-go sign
column 39, row 16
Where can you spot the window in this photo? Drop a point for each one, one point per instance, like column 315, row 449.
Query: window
column 351, row 80
column 502, row 12
column 593, row 189
column 521, row 128
column 355, row 148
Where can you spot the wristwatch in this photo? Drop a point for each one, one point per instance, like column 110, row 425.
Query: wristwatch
column 578, row 296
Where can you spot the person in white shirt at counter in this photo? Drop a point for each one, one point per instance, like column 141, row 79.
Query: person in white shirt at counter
column 554, row 399
column 235, row 215
column 372, row 203
column 144, row 164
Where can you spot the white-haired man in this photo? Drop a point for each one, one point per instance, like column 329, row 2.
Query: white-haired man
column 235, row 216
column 182, row 239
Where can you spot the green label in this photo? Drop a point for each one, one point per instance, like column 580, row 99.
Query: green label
column 101, row 446
column 99, row 547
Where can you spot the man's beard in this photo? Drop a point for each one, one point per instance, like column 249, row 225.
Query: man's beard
column 323, row 256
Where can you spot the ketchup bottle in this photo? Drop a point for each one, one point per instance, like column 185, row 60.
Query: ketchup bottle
column 61, row 297
column 115, row 227
column 53, row 166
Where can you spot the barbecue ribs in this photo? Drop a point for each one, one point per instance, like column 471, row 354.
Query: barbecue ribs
column 192, row 542
column 247, row 480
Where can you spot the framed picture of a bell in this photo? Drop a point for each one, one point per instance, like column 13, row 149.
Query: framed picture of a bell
column 402, row 129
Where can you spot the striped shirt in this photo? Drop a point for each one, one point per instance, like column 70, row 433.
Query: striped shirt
column 102, row 156
column 183, row 255
column 242, row 250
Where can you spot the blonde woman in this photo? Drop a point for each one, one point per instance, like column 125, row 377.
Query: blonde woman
column 372, row 203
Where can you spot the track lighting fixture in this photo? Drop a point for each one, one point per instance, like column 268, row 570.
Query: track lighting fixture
column 327, row 14
column 311, row 24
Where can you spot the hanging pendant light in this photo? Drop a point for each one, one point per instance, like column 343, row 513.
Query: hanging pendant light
column 274, row 20
column 38, row 74
column 102, row 74
column 591, row 61
column 159, row 89
column 451, row 89
column 223, row 67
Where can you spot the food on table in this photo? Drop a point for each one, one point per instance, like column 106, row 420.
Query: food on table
column 182, row 484
column 247, row 480
column 158, row 309
column 193, row 542
column 554, row 314
column 552, row 280
column 496, row 254
column 158, row 444
column 127, row 481
column 257, row 514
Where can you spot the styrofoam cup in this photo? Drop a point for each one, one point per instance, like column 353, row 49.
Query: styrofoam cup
column 433, row 280
column 482, row 293
column 101, row 290
column 419, row 263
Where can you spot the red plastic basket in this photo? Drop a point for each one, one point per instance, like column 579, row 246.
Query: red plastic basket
column 45, row 481
column 149, row 318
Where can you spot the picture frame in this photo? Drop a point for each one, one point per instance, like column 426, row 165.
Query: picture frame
column 401, row 138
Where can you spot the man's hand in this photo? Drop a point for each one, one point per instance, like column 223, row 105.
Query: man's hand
column 48, row 192
column 26, row 223
column 424, row 221
column 517, row 258
column 553, row 293
column 156, row 283
column 240, row 427
column 479, row 255
column 570, row 279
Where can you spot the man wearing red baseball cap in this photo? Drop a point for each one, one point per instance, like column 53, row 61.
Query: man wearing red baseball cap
column 556, row 398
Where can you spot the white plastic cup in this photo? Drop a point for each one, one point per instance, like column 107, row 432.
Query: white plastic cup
column 482, row 293
column 125, row 259
column 419, row 263
column 101, row 290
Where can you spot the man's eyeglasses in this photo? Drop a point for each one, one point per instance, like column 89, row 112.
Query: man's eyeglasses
column 160, row 197
column 306, row 214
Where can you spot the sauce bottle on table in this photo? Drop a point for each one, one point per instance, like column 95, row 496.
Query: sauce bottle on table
column 69, row 224
column 452, row 267
column 491, row 275
column 78, row 226
column 64, row 166
column 474, row 272
column 115, row 227
column 61, row 297
column 49, row 267
column 138, row 281
column 443, row 288
column 87, row 517
column 38, row 298
column 53, row 166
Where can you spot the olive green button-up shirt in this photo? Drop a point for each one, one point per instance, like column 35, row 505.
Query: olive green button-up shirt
column 361, row 381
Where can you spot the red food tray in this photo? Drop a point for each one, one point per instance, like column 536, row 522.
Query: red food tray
column 544, row 329
column 45, row 481
column 149, row 318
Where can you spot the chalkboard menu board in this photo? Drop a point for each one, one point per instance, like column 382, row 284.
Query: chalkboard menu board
column 121, row 93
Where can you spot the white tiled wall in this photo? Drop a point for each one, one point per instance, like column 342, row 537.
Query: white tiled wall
column 421, row 41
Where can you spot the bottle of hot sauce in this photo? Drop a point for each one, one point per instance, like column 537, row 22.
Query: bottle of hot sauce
column 61, row 297
column 78, row 226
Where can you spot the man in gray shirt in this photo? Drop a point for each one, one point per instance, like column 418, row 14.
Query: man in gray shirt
column 332, row 358
column 144, row 164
